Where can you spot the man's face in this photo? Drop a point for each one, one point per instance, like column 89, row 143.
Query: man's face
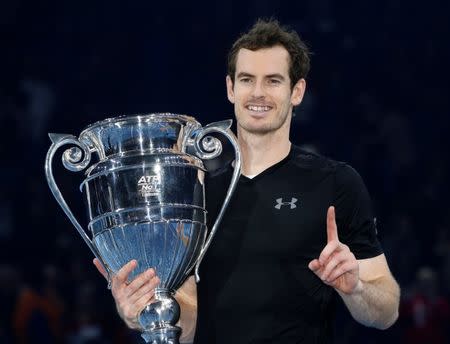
column 261, row 93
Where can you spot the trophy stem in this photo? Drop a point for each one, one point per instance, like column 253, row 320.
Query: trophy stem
column 158, row 319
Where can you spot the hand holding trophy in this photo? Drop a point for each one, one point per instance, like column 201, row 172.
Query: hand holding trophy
column 145, row 199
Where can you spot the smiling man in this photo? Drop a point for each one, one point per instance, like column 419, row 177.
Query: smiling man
column 298, row 233
column 261, row 90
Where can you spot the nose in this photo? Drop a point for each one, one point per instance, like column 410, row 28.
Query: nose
column 258, row 90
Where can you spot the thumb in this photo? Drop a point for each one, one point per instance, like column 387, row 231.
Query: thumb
column 100, row 267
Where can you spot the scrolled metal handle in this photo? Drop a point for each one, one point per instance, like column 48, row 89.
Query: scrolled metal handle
column 74, row 159
column 209, row 147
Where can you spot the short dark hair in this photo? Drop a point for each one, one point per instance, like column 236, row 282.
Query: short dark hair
column 267, row 34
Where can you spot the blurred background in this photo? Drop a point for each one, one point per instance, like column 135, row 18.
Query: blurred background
column 377, row 97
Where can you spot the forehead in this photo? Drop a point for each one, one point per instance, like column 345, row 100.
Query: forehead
column 274, row 60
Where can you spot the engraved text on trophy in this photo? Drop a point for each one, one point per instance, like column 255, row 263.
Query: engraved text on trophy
column 149, row 185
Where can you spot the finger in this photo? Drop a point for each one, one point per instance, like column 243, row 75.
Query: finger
column 129, row 311
column 146, row 289
column 132, row 310
column 332, row 233
column 341, row 270
column 330, row 249
column 124, row 272
column 141, row 303
column 336, row 260
column 100, row 267
column 314, row 265
column 141, row 280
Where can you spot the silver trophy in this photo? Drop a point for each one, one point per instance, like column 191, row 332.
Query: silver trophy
column 145, row 198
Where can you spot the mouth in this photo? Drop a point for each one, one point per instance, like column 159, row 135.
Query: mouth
column 258, row 110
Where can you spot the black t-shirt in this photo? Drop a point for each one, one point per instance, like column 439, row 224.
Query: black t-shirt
column 255, row 285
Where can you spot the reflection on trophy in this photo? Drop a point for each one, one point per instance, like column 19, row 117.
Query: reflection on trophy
column 145, row 200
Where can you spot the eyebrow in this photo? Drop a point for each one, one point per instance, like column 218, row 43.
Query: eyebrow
column 248, row 75
column 243, row 74
column 276, row 75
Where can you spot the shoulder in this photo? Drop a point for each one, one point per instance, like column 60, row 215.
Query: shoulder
column 345, row 177
column 311, row 160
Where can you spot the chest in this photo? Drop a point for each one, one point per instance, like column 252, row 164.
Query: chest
column 275, row 218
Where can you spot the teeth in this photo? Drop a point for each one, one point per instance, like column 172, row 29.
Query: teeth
column 258, row 108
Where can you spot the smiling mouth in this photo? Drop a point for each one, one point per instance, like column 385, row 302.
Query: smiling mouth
column 257, row 108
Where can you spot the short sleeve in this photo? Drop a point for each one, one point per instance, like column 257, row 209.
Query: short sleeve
column 354, row 215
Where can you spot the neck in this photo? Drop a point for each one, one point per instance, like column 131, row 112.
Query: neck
column 259, row 152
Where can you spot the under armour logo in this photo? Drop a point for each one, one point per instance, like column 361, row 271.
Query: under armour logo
column 281, row 203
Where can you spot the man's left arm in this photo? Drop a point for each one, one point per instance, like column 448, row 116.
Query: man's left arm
column 375, row 300
column 367, row 286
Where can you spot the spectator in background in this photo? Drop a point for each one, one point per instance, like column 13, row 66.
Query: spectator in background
column 426, row 311
column 10, row 286
column 38, row 311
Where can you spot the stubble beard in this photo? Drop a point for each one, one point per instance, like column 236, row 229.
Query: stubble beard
column 264, row 129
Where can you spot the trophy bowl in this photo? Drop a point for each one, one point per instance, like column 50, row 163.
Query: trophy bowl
column 145, row 199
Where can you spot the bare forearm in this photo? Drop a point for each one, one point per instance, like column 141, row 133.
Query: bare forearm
column 187, row 299
column 374, row 303
column 187, row 323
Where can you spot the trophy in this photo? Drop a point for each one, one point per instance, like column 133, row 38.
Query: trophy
column 145, row 199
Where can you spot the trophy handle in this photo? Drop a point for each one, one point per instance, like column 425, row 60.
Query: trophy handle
column 208, row 147
column 75, row 160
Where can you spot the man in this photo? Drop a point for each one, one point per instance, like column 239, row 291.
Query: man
column 299, row 229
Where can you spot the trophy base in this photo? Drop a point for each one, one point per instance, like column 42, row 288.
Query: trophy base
column 166, row 335
column 158, row 319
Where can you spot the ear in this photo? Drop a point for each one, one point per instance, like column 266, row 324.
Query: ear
column 298, row 92
column 230, row 92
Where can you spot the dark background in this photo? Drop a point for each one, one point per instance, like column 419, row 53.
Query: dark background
column 377, row 97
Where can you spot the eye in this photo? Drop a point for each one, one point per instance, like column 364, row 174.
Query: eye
column 245, row 80
column 274, row 81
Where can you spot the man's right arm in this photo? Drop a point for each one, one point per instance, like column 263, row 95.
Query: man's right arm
column 187, row 299
column 131, row 298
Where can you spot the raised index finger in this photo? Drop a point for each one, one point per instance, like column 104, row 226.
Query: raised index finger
column 332, row 233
